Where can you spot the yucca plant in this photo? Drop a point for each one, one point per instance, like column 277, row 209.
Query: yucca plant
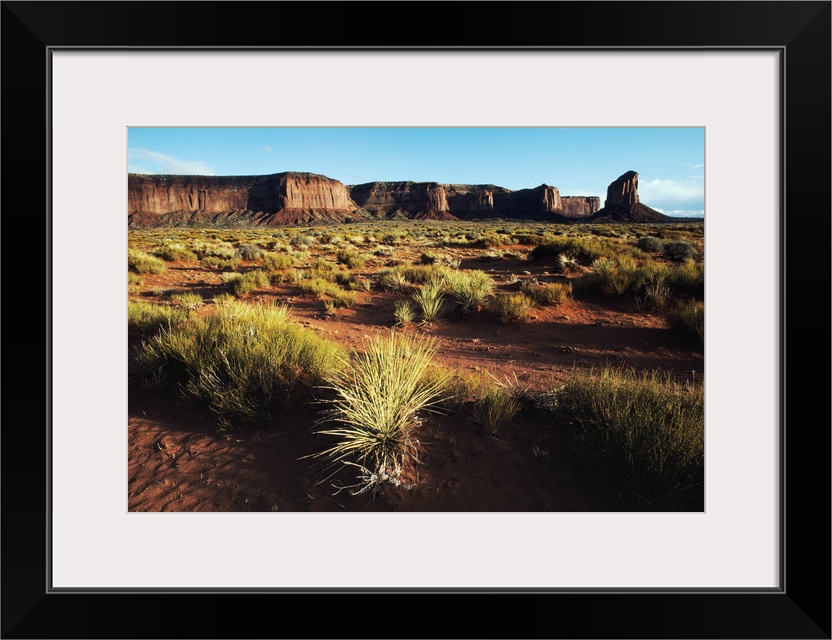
column 430, row 298
column 404, row 312
column 381, row 398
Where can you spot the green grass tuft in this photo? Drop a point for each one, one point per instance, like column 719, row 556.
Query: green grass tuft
column 689, row 317
column 511, row 307
column 553, row 293
column 141, row 262
column 146, row 317
column 645, row 428
column 239, row 362
column 381, row 398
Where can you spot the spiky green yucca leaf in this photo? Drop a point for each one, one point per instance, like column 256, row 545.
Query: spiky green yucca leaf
column 380, row 400
column 430, row 298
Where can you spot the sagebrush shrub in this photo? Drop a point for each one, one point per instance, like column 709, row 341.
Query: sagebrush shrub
column 650, row 244
column 276, row 261
column 678, row 251
column 248, row 251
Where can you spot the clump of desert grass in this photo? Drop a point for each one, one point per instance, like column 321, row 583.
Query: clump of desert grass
column 223, row 264
column 330, row 293
column 146, row 317
column 688, row 316
column 392, row 280
column 352, row 259
column 239, row 362
column 173, row 251
column 214, row 249
column 469, row 289
column 646, row 428
column 141, row 262
column 243, row 283
column 512, row 307
column 276, row 262
column 134, row 283
column 585, row 249
column 187, row 300
column 496, row 405
column 382, row 395
column 547, row 294
column 223, row 298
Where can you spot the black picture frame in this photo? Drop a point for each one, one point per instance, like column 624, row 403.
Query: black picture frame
column 799, row 31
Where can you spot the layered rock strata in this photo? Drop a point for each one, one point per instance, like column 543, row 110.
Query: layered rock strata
column 283, row 198
column 301, row 198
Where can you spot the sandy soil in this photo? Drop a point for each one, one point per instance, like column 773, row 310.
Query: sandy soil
column 180, row 461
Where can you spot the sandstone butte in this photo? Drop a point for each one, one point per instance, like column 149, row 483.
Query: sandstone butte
column 304, row 198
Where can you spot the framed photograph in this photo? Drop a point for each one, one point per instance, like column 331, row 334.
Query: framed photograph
column 754, row 77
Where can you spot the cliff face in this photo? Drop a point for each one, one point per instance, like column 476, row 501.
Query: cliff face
column 164, row 194
column 274, row 199
column 580, row 206
column 430, row 199
column 302, row 198
column 623, row 192
column 382, row 199
column 623, row 205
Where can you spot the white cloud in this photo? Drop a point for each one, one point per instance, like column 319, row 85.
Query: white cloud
column 155, row 162
column 267, row 148
column 671, row 194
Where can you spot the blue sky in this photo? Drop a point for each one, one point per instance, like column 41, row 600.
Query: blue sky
column 578, row 161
